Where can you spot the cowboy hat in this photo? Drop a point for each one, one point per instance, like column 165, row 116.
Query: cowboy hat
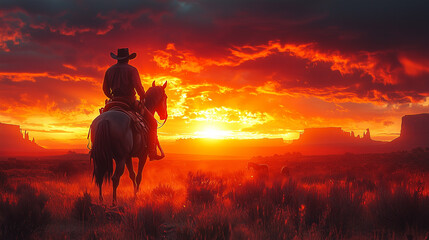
column 123, row 54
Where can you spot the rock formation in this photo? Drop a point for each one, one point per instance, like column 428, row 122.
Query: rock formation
column 414, row 132
column 334, row 140
column 331, row 135
column 13, row 141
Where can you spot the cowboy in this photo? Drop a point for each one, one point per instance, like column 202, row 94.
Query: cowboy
column 121, row 82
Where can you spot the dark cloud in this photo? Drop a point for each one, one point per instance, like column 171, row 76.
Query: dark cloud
column 349, row 25
column 56, row 34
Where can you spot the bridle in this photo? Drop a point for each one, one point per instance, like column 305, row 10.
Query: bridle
column 165, row 120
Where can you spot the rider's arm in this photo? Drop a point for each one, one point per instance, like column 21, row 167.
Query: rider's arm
column 106, row 87
column 138, row 85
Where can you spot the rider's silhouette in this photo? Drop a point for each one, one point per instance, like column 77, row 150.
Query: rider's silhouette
column 121, row 82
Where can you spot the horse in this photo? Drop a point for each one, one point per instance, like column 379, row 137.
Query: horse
column 112, row 138
column 261, row 170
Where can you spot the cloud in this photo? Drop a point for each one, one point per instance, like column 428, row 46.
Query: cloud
column 10, row 33
column 280, row 66
column 44, row 95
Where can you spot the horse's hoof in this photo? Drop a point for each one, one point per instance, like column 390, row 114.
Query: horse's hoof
column 101, row 199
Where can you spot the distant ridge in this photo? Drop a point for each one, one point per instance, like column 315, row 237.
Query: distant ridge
column 14, row 141
column 332, row 135
column 333, row 140
column 414, row 132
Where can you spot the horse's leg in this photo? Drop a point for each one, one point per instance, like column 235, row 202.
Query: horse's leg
column 120, row 167
column 142, row 162
column 129, row 163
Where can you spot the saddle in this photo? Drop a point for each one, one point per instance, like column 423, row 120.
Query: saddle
column 139, row 126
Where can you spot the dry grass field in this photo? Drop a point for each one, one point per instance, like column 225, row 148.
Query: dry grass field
column 350, row 196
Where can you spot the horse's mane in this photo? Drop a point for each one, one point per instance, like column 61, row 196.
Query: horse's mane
column 153, row 96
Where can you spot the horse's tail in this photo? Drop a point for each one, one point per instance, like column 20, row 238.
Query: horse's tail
column 101, row 153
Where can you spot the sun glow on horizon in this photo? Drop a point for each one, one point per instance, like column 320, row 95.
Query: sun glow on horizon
column 214, row 133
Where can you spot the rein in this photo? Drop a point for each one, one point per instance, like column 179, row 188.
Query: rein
column 165, row 120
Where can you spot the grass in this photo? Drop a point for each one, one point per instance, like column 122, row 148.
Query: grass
column 400, row 208
column 145, row 223
column 82, row 208
column 26, row 217
column 333, row 197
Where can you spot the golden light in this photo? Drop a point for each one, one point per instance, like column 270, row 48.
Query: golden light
column 212, row 132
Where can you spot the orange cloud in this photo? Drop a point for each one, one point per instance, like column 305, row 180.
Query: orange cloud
column 54, row 106
column 181, row 60
column 70, row 67
column 19, row 77
column 177, row 61
column 414, row 68
column 364, row 61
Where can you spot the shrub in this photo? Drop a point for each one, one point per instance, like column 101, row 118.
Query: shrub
column 314, row 206
column 248, row 192
column 26, row 217
column 185, row 232
column 282, row 226
column 261, row 212
column 364, row 185
column 163, row 191
column 211, row 223
column 145, row 223
column 82, row 208
column 263, row 204
column 275, row 193
column 200, row 195
column 4, row 183
column 344, row 210
column 65, row 169
column 290, row 193
column 203, row 188
column 400, row 209
column 213, row 227
column 285, row 194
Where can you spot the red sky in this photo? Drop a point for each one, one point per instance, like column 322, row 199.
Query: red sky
column 236, row 69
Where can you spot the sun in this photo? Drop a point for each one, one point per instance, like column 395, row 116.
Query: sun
column 212, row 132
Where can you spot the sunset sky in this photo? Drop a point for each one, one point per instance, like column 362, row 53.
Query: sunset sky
column 235, row 69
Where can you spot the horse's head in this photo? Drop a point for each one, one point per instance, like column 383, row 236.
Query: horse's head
column 156, row 100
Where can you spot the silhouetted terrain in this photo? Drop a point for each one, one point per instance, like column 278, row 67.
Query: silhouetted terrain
column 414, row 132
column 333, row 140
column 13, row 141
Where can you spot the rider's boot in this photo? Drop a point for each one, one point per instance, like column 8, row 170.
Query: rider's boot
column 153, row 142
